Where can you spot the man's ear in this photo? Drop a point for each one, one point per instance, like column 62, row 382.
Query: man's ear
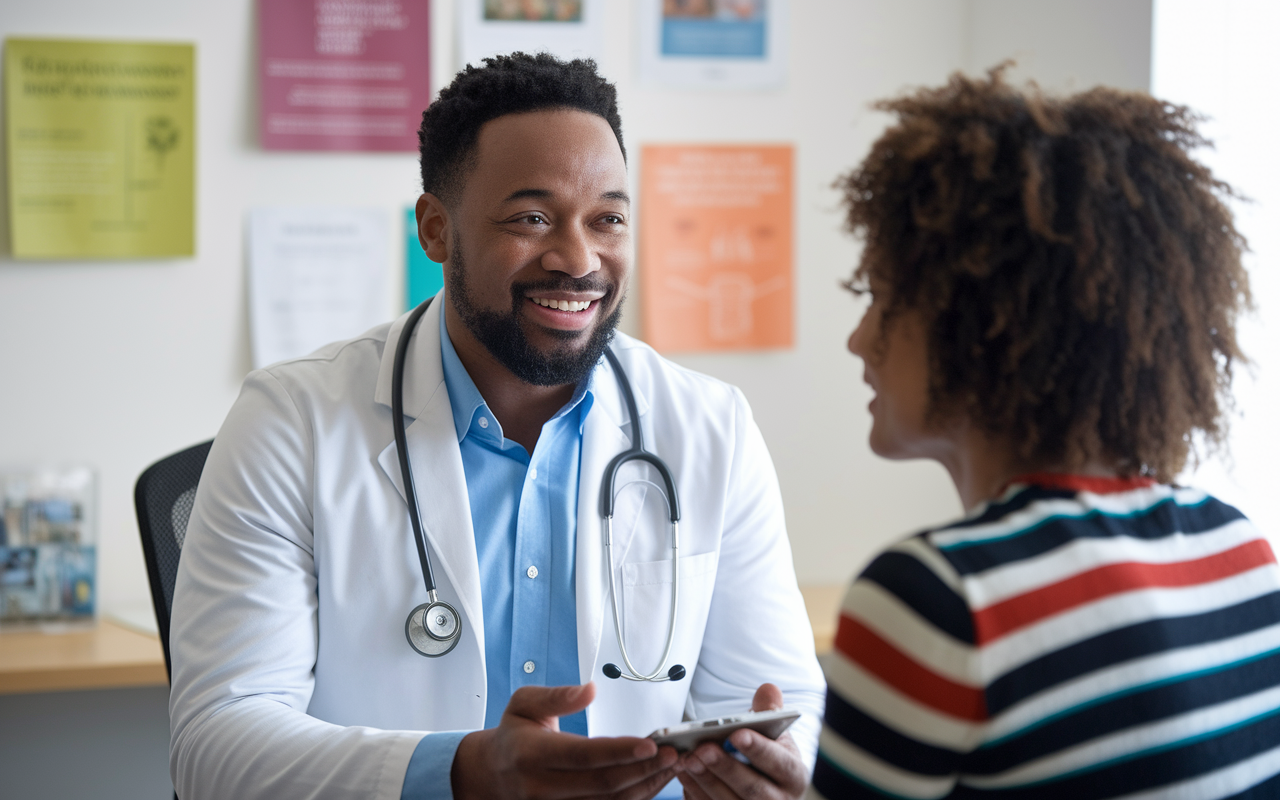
column 433, row 227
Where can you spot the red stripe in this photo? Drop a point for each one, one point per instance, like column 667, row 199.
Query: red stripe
column 891, row 665
column 1094, row 484
column 1025, row 609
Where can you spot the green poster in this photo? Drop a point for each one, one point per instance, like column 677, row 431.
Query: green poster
column 101, row 144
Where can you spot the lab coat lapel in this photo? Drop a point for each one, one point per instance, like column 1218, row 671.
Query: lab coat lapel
column 605, row 434
column 438, row 477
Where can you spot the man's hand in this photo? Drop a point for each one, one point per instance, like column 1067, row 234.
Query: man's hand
column 776, row 771
column 527, row 756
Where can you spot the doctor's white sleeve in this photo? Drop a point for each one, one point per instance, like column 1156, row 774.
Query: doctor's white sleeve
column 758, row 630
column 244, row 629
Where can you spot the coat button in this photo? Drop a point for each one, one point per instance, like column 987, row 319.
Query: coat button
column 528, row 666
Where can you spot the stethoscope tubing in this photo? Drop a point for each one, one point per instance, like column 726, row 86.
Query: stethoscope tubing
column 636, row 452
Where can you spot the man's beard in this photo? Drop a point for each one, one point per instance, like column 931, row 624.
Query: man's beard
column 503, row 337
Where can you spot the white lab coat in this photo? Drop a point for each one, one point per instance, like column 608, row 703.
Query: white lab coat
column 291, row 673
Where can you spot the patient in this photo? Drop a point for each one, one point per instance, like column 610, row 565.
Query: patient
column 1054, row 287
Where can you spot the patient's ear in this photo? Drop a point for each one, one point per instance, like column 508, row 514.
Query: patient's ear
column 433, row 227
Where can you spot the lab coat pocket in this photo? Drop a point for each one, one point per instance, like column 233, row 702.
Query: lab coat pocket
column 646, row 612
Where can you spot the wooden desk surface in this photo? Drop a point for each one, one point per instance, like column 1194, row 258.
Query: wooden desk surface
column 106, row 656
column 823, row 604
column 109, row 656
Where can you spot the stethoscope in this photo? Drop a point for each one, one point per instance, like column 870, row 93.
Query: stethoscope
column 433, row 628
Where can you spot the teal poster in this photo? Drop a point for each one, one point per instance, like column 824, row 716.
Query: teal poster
column 422, row 276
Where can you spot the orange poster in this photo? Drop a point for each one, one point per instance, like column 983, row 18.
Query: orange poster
column 715, row 246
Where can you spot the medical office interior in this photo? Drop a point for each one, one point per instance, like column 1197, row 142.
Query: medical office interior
column 112, row 364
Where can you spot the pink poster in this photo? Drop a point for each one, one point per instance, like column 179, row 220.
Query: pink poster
column 343, row 74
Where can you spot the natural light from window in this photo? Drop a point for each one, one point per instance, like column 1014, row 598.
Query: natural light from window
column 1221, row 59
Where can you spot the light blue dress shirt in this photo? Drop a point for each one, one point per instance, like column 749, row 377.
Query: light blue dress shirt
column 524, row 511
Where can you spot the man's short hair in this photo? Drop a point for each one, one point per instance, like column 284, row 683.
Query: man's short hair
column 507, row 84
column 1079, row 272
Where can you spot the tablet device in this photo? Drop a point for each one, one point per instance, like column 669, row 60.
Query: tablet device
column 688, row 735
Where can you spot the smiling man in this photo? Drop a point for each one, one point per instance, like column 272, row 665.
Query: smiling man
column 292, row 676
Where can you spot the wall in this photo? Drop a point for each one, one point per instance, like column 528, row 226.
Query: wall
column 118, row 363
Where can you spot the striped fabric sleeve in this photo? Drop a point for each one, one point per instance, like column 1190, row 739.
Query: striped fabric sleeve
column 904, row 701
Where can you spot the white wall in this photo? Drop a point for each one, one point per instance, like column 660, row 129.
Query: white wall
column 116, row 364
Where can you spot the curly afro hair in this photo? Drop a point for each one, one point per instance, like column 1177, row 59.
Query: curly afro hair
column 1079, row 272
column 508, row 84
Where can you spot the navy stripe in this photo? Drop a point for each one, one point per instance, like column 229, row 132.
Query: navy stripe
column 1142, row 707
column 920, row 588
column 1178, row 763
column 885, row 743
column 1125, row 644
column 1267, row 790
column 1163, row 519
column 997, row 511
column 833, row 782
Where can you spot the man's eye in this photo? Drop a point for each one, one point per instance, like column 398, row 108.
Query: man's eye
column 534, row 219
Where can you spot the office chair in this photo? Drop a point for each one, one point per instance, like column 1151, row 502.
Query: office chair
column 163, row 498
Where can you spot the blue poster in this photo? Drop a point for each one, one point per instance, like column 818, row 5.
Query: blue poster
column 714, row 28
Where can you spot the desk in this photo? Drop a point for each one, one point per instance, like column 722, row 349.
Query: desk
column 823, row 605
column 106, row 656
column 109, row 656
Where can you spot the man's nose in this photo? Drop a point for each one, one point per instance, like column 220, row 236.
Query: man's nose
column 572, row 253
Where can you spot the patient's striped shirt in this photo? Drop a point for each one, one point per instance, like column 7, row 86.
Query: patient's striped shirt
column 1075, row 638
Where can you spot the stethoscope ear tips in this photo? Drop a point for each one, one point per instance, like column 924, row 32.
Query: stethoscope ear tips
column 673, row 674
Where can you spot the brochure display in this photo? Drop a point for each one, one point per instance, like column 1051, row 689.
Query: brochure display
column 101, row 141
column 48, row 539
column 349, row 75
column 715, row 246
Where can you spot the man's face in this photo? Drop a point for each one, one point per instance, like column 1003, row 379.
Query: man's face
column 540, row 243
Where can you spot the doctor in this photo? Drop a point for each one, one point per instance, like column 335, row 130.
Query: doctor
column 292, row 675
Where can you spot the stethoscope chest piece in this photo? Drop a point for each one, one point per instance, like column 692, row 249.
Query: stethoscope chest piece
column 432, row 629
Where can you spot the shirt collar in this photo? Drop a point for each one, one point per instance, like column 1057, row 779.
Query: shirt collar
column 469, row 406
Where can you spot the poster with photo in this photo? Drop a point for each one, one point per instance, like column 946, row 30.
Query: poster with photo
column 565, row 28
column 346, row 75
column 701, row 44
column 716, row 247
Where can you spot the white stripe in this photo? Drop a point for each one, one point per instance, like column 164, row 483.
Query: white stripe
column 884, row 776
column 1130, row 675
column 1084, row 554
column 1134, row 740
column 1084, row 503
column 869, row 603
column 1118, row 611
column 1219, row 783
column 896, row 710
column 927, row 554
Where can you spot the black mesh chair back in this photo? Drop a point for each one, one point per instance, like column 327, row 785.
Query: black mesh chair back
column 163, row 498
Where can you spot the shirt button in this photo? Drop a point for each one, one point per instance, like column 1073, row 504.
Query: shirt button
column 533, row 474
column 483, row 422
column 528, row 666
column 532, row 572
